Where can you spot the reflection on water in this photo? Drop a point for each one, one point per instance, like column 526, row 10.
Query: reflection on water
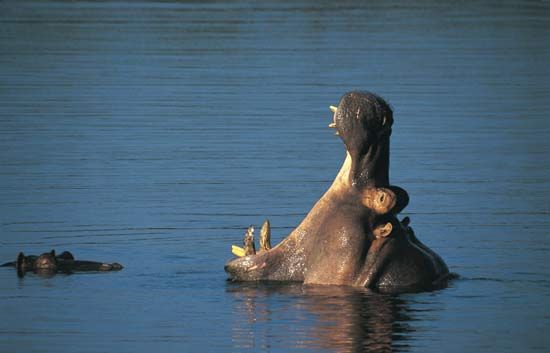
column 152, row 133
column 342, row 319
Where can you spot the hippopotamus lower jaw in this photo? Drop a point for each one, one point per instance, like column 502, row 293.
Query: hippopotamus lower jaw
column 284, row 262
column 247, row 268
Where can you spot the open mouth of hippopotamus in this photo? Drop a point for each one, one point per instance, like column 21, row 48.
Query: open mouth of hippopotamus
column 351, row 236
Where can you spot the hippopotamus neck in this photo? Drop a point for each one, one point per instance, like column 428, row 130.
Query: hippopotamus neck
column 341, row 190
column 340, row 194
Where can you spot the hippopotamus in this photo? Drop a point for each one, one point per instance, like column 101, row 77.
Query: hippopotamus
column 50, row 263
column 352, row 235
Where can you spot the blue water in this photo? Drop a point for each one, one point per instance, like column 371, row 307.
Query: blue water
column 153, row 133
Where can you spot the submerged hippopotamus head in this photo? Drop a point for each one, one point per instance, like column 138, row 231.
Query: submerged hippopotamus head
column 46, row 261
column 351, row 236
column 49, row 263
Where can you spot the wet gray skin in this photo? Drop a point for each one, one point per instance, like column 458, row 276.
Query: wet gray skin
column 50, row 263
column 352, row 236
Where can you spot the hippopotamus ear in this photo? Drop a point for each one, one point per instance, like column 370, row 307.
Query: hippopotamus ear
column 382, row 230
column 385, row 226
column 66, row 255
column 54, row 258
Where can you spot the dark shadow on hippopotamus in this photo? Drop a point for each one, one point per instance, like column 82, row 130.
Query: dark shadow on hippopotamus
column 49, row 263
column 352, row 236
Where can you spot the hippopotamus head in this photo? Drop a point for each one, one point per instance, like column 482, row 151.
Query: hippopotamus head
column 363, row 120
column 352, row 235
column 46, row 262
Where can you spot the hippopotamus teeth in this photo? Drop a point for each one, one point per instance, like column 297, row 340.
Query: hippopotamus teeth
column 237, row 251
column 265, row 236
column 333, row 124
column 248, row 241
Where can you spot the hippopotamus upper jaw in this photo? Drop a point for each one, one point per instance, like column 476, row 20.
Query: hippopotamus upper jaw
column 363, row 122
